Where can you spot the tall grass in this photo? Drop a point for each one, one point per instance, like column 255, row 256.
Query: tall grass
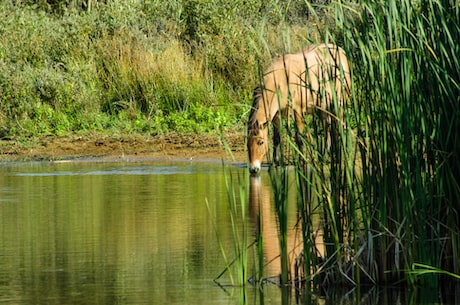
column 280, row 184
column 237, row 269
column 412, row 172
column 136, row 66
column 388, row 182
column 108, row 68
column 389, row 186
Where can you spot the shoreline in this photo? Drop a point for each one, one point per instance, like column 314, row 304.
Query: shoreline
column 168, row 147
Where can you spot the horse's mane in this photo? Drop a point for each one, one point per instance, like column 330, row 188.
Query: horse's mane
column 257, row 97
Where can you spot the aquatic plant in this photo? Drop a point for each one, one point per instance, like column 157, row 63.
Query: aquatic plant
column 388, row 184
column 237, row 268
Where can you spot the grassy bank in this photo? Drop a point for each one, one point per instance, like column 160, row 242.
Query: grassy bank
column 136, row 66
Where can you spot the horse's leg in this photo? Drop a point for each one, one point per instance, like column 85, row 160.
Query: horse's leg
column 300, row 138
column 300, row 130
column 276, row 140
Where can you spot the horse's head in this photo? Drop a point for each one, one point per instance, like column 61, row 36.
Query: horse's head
column 257, row 146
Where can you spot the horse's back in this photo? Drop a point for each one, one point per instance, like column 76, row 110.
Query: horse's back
column 305, row 77
column 332, row 66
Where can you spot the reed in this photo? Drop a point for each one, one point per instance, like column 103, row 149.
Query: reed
column 280, row 184
column 387, row 181
column 237, row 268
column 412, row 193
column 388, row 184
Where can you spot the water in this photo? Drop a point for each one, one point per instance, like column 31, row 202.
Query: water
column 130, row 233
column 102, row 233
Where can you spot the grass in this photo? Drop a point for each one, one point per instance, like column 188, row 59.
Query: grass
column 409, row 170
column 388, row 184
column 102, row 70
column 280, row 183
column 237, row 268
column 133, row 66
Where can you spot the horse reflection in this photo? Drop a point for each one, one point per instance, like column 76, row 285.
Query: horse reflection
column 261, row 208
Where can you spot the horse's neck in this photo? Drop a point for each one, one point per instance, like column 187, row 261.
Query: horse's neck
column 267, row 111
column 263, row 114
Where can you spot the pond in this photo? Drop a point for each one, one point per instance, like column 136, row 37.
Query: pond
column 144, row 232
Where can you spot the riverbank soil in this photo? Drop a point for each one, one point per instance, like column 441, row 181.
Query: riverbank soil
column 172, row 146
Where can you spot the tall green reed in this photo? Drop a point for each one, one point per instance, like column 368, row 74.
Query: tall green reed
column 280, row 184
column 387, row 181
column 388, row 184
column 412, row 75
column 237, row 268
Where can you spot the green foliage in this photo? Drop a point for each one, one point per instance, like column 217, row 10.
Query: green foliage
column 412, row 161
column 142, row 66
column 388, row 184
column 237, row 269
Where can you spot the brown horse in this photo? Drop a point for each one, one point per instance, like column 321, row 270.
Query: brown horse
column 295, row 84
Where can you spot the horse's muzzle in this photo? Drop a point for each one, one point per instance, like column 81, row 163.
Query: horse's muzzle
column 254, row 168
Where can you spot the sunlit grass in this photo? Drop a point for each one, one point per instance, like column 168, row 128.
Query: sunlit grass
column 137, row 66
column 388, row 184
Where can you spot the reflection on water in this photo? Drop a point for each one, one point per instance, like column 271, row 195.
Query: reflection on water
column 110, row 233
column 262, row 210
column 127, row 233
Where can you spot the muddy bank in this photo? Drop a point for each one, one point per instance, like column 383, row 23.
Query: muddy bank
column 171, row 146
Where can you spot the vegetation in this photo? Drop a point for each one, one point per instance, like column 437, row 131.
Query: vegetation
column 134, row 66
column 388, row 184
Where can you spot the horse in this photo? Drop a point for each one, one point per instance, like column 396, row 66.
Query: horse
column 295, row 84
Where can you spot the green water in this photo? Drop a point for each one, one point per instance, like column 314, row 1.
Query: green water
column 104, row 233
column 127, row 233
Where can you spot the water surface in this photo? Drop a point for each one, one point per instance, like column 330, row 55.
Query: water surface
column 132, row 233
column 102, row 233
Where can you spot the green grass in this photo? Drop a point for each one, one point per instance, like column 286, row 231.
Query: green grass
column 412, row 165
column 134, row 66
column 389, row 184
column 237, row 268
